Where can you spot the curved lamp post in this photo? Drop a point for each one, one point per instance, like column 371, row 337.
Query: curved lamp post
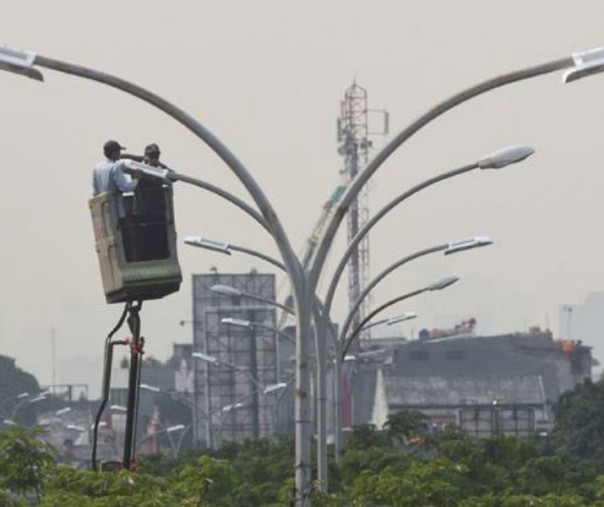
column 341, row 350
column 19, row 396
column 389, row 322
column 168, row 431
column 447, row 248
column 227, row 248
column 251, row 377
column 271, row 389
column 252, row 326
column 304, row 280
column 440, row 285
column 23, row 62
column 496, row 160
column 226, row 290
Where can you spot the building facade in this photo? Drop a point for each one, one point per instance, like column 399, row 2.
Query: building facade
column 237, row 363
column 483, row 384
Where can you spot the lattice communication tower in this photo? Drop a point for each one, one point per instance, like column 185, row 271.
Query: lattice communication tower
column 354, row 145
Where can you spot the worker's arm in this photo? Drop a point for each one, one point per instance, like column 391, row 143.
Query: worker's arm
column 120, row 179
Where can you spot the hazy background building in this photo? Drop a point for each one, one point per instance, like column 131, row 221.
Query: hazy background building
column 229, row 398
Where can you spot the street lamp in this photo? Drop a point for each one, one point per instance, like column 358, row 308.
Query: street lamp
column 168, row 431
column 252, row 326
column 227, row 290
column 253, row 377
column 150, row 388
column 205, row 357
column 586, row 64
column 342, row 349
column 303, row 280
column 22, row 62
column 392, row 320
column 274, row 387
column 496, row 160
column 447, row 248
column 228, row 248
column 248, row 324
column 216, row 361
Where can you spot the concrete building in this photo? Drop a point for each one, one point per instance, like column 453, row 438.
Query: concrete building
column 237, row 363
column 484, row 384
column 584, row 321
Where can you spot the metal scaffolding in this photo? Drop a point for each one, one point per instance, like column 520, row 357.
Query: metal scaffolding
column 229, row 402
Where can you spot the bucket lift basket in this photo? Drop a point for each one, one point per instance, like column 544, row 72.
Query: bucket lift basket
column 136, row 245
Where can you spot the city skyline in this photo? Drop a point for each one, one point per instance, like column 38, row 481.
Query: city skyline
column 268, row 79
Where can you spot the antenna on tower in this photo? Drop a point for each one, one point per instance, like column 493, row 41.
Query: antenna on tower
column 354, row 145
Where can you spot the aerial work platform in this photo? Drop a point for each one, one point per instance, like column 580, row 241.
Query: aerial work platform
column 135, row 241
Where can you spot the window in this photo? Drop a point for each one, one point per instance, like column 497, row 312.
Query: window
column 455, row 354
column 419, row 355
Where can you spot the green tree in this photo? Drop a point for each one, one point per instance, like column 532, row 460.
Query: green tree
column 68, row 487
column 24, row 462
column 580, row 420
column 367, row 436
column 208, row 482
column 407, row 427
column 436, row 483
column 13, row 382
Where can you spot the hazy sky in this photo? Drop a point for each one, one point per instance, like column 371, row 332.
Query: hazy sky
column 267, row 77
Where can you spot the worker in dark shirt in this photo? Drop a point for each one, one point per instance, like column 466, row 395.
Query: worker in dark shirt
column 149, row 193
column 150, row 206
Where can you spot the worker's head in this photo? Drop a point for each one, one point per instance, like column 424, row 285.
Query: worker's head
column 152, row 153
column 112, row 149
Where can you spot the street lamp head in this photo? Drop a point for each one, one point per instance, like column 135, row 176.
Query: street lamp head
column 401, row 318
column 587, row 63
column 176, row 427
column 19, row 62
column 208, row 244
column 236, row 322
column 118, row 408
column 226, row 290
column 443, row 284
column 134, row 167
column 228, row 408
column 468, row 244
column 205, row 357
column 506, row 156
column 153, row 389
column 274, row 387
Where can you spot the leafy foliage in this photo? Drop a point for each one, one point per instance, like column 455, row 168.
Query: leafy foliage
column 13, row 382
column 405, row 465
column 580, row 420
column 24, row 462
